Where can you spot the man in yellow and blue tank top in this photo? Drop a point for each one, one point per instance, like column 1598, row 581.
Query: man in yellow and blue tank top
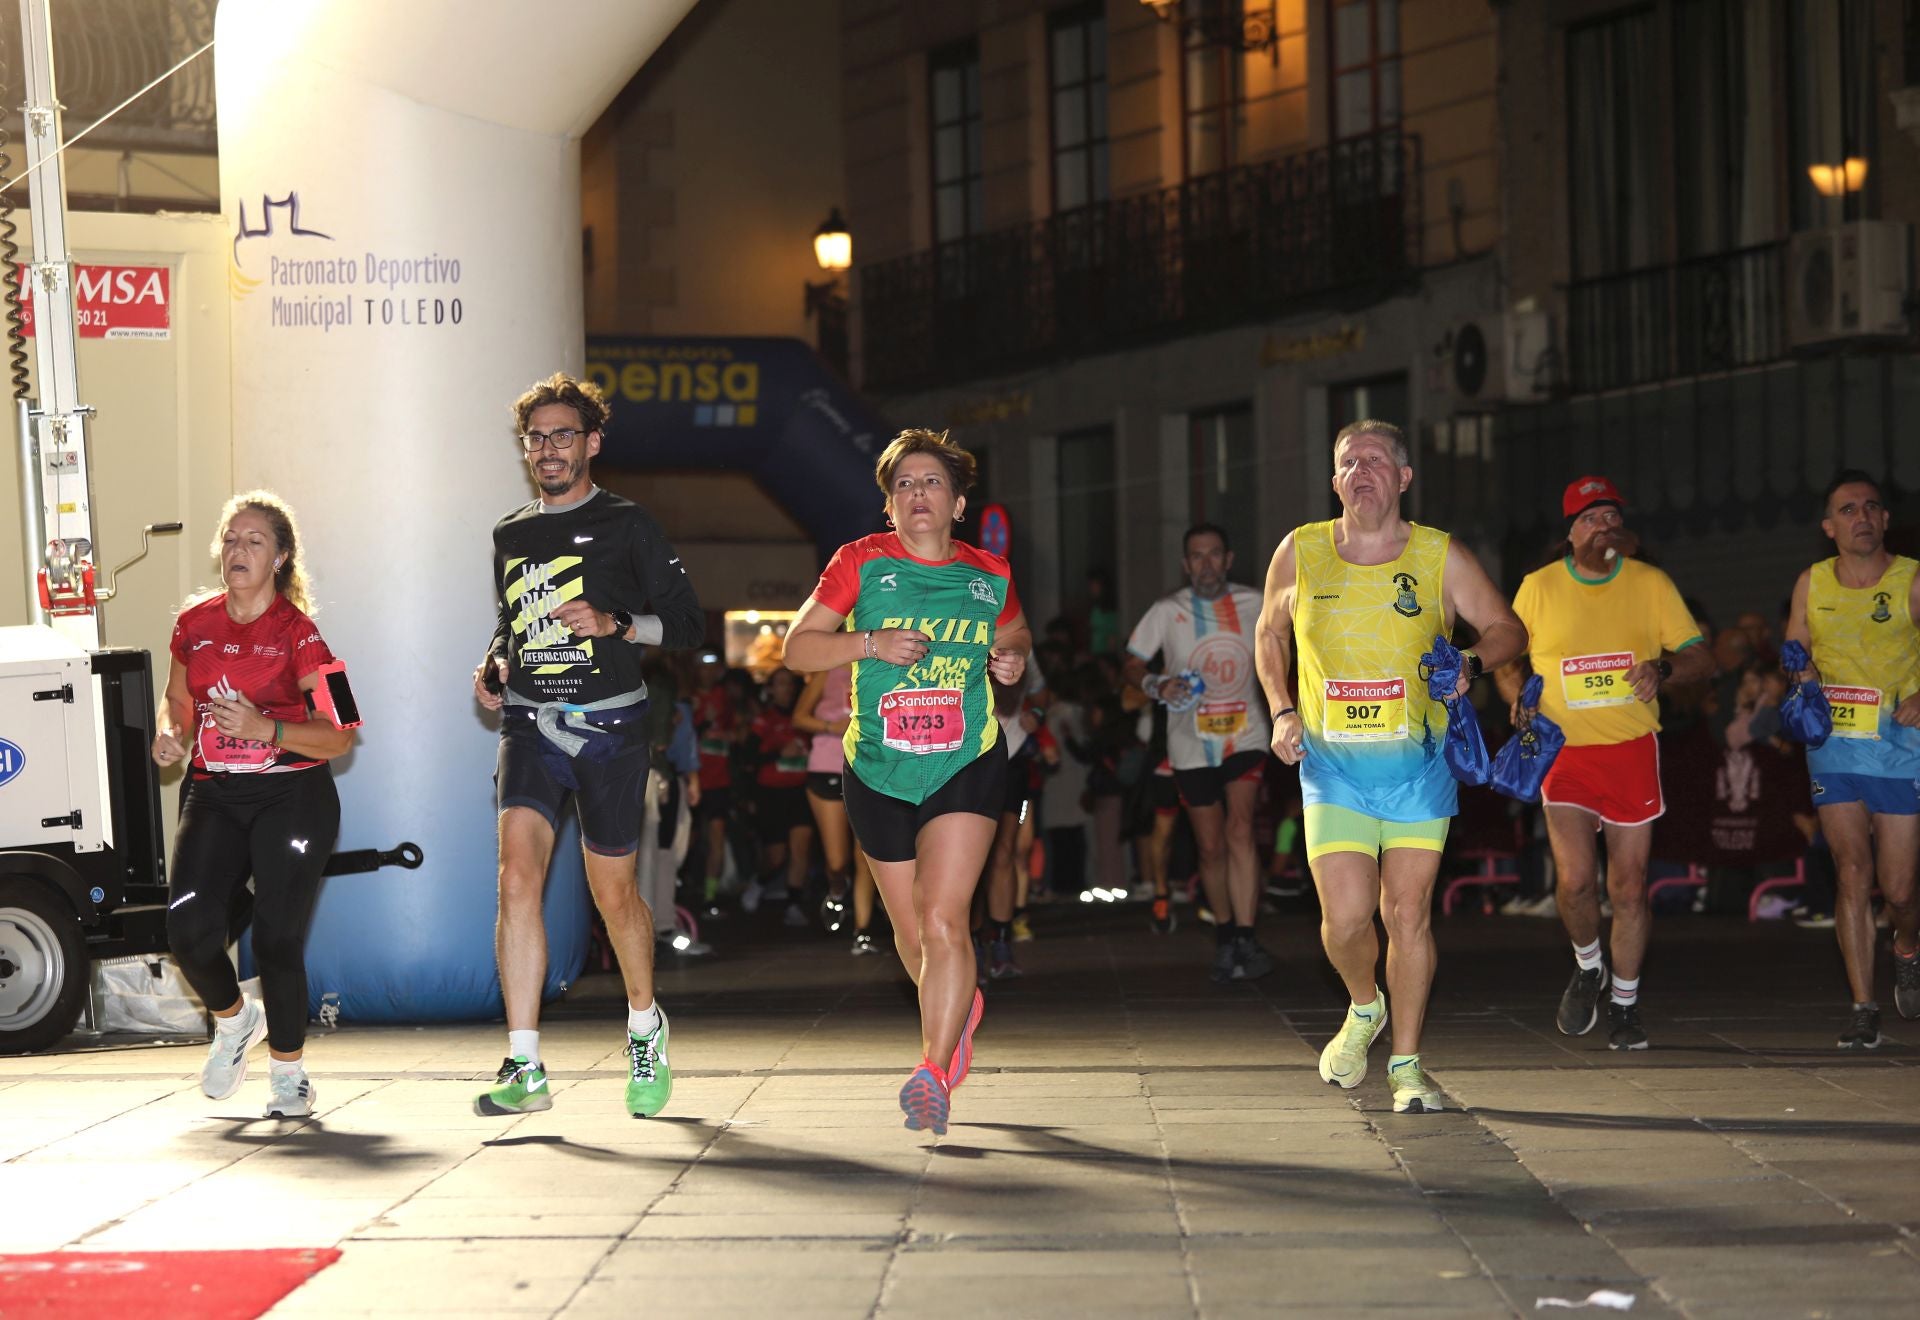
column 1858, row 614
column 1604, row 632
column 1357, row 601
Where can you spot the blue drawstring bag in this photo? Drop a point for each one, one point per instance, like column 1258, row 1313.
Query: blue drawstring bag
column 1520, row 767
column 1465, row 749
column 1805, row 715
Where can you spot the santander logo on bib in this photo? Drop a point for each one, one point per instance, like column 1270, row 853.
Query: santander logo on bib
column 223, row 752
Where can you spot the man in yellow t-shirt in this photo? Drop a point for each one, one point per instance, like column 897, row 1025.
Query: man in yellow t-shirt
column 1606, row 632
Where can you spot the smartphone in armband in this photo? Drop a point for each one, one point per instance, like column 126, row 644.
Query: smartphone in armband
column 334, row 696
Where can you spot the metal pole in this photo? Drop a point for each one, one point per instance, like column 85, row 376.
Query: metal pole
column 62, row 468
column 33, row 522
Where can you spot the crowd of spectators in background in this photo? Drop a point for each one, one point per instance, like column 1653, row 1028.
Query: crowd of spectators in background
column 735, row 832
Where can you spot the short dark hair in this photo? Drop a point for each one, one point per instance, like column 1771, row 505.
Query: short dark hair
column 1202, row 529
column 1850, row 477
column 583, row 396
column 960, row 465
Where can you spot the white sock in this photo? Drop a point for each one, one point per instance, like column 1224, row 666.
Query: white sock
column 285, row 1067
column 1588, row 956
column 235, row 1024
column 643, row 1021
column 1368, row 1010
column 524, row 1045
column 1626, row 992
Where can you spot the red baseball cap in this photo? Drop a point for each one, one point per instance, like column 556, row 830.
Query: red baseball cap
column 1585, row 492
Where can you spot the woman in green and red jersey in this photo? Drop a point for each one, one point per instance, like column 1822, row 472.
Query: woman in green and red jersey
column 930, row 627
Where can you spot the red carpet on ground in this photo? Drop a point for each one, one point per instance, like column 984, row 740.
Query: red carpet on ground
column 182, row 1285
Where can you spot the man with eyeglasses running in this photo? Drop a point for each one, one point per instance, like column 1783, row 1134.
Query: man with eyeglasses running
column 586, row 581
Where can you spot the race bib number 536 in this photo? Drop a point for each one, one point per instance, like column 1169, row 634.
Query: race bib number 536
column 1364, row 710
column 1597, row 680
column 923, row 720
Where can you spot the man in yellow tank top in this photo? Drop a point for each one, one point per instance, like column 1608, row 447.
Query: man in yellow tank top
column 1605, row 632
column 1364, row 595
column 1858, row 615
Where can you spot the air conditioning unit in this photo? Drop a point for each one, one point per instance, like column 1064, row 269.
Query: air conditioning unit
column 1498, row 358
column 1848, row 282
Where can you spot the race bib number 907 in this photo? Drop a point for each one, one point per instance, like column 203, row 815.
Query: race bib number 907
column 923, row 720
column 1364, row 710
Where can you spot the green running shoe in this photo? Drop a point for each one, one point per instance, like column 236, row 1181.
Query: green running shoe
column 1344, row 1060
column 520, row 1088
column 650, row 1080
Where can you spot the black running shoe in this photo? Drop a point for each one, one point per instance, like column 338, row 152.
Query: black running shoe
column 1863, row 1029
column 1252, row 961
column 1906, row 984
column 1624, row 1031
column 1580, row 1005
column 1225, row 964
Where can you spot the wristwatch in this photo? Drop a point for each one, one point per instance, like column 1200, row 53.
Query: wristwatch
column 1474, row 666
column 1663, row 667
column 622, row 622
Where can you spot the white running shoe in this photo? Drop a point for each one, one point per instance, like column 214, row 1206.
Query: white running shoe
column 293, row 1095
column 225, row 1070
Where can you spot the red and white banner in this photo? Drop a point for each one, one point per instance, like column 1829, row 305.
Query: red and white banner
column 112, row 302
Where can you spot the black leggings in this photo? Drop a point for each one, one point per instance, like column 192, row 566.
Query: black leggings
column 280, row 829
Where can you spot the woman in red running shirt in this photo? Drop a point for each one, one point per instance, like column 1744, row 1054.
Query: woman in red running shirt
column 258, row 798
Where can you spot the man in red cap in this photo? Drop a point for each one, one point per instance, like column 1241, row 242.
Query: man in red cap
column 1607, row 631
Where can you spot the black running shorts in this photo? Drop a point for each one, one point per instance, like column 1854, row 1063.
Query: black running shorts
column 607, row 781
column 888, row 828
column 1207, row 785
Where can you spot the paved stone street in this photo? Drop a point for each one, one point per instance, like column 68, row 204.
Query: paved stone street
column 1133, row 1141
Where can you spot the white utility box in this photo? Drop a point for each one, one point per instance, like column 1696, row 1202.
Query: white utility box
column 53, row 775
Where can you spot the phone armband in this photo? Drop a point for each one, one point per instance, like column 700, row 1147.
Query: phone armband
column 333, row 697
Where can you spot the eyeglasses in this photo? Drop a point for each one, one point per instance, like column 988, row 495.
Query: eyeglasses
column 561, row 439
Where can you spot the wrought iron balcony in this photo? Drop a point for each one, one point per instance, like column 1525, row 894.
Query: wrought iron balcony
column 1701, row 315
column 106, row 50
column 1225, row 248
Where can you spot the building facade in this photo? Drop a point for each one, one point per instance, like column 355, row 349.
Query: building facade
column 1148, row 257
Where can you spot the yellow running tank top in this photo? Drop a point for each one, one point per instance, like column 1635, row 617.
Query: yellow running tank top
column 1373, row 734
column 1866, row 646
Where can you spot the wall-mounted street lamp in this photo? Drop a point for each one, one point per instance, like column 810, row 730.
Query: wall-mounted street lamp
column 1229, row 23
column 832, row 244
column 827, row 300
column 1840, row 178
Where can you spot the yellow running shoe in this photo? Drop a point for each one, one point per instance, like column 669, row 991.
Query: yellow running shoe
column 1344, row 1060
column 1414, row 1092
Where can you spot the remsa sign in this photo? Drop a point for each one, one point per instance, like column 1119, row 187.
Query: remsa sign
column 112, row 302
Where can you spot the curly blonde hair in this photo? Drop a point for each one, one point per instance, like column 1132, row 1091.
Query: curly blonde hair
column 290, row 579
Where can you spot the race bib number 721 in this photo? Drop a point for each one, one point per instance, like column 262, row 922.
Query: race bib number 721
column 1856, row 711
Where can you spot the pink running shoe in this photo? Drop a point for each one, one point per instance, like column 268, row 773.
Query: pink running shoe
column 924, row 1100
column 963, row 1052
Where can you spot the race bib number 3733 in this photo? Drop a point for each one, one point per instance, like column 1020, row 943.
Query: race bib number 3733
column 1364, row 710
column 923, row 720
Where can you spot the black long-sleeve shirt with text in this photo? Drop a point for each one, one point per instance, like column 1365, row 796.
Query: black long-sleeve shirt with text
column 607, row 551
